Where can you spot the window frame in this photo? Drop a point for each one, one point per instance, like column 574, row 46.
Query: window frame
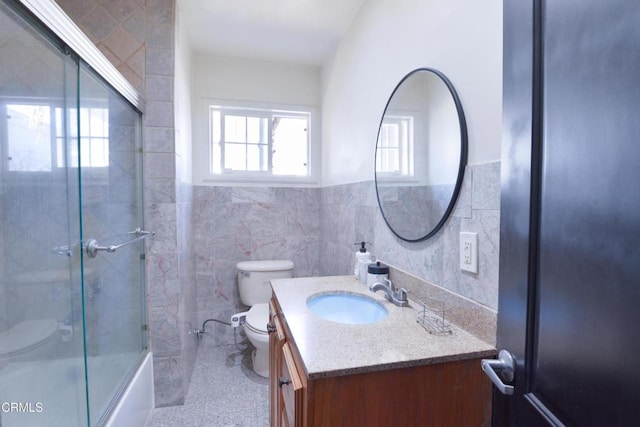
column 203, row 145
column 405, row 150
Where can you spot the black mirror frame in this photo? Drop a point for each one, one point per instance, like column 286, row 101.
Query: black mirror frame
column 464, row 147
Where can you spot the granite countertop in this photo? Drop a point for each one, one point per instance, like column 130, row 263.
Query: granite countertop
column 333, row 349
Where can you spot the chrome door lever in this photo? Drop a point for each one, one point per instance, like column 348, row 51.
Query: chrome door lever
column 505, row 365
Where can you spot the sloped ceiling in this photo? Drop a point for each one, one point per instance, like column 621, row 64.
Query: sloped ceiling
column 294, row 31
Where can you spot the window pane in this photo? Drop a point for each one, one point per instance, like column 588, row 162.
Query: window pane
column 395, row 146
column 290, row 146
column 390, row 135
column 235, row 128
column 257, row 130
column 216, row 133
column 29, row 138
column 85, row 152
column 257, row 158
column 99, row 122
column 387, row 160
column 99, row 152
column 73, row 152
column 235, row 157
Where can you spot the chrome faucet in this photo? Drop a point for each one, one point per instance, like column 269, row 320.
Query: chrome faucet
column 396, row 296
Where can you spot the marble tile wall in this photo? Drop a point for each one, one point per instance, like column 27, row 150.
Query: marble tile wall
column 186, row 272
column 402, row 203
column 350, row 213
column 233, row 224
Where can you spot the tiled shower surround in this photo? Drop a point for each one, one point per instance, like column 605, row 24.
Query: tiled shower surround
column 316, row 229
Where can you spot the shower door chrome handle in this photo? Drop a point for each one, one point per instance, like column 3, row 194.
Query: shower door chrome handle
column 93, row 247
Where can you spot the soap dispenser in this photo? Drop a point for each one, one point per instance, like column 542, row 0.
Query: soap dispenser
column 362, row 257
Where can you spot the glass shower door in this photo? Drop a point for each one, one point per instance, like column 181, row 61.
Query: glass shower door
column 42, row 368
column 113, row 260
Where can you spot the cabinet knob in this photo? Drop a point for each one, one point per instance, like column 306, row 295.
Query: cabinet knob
column 283, row 381
column 271, row 327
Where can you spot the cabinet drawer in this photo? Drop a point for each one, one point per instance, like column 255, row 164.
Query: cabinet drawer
column 291, row 388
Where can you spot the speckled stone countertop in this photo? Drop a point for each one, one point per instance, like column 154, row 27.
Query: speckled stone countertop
column 333, row 349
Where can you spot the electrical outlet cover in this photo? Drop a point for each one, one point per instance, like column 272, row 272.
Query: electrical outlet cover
column 469, row 252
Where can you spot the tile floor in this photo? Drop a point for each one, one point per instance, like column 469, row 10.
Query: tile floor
column 224, row 392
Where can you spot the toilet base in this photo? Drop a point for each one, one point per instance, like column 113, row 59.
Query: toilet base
column 260, row 361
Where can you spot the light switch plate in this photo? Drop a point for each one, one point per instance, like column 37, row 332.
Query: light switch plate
column 469, row 252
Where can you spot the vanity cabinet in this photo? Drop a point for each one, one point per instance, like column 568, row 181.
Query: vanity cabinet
column 286, row 388
column 451, row 393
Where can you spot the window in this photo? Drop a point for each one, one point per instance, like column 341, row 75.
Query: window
column 394, row 155
column 259, row 142
column 36, row 134
column 94, row 137
column 29, row 137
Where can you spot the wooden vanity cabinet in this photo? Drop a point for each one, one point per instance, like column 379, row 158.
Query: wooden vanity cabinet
column 286, row 386
column 454, row 393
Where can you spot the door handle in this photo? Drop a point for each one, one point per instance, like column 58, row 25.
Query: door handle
column 505, row 365
column 93, row 247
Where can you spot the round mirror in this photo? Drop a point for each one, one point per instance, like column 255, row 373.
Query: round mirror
column 421, row 154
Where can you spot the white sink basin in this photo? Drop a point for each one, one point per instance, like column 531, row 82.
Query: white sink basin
column 347, row 308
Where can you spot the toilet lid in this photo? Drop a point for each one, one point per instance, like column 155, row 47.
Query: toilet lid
column 258, row 317
column 26, row 334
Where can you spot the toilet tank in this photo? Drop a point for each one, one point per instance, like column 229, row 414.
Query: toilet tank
column 254, row 276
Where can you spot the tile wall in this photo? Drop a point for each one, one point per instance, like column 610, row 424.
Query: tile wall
column 233, row 224
column 350, row 213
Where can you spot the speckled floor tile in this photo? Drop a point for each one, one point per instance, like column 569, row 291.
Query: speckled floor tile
column 223, row 392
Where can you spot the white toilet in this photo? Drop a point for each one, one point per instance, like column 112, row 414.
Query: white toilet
column 255, row 291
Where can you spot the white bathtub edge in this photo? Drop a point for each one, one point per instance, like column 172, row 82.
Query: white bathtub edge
column 137, row 401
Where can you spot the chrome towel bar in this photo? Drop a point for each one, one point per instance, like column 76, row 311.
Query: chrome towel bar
column 93, row 247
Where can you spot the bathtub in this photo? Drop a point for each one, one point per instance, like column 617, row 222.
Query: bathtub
column 53, row 393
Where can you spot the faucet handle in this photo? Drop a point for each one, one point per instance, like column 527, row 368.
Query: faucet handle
column 402, row 293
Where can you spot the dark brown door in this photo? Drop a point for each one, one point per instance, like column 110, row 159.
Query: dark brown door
column 569, row 308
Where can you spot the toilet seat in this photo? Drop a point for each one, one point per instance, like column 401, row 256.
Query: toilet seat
column 26, row 335
column 257, row 318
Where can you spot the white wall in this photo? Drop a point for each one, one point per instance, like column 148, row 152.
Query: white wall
column 250, row 83
column 386, row 40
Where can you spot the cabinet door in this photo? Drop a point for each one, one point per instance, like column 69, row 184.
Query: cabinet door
column 276, row 341
column 291, row 388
